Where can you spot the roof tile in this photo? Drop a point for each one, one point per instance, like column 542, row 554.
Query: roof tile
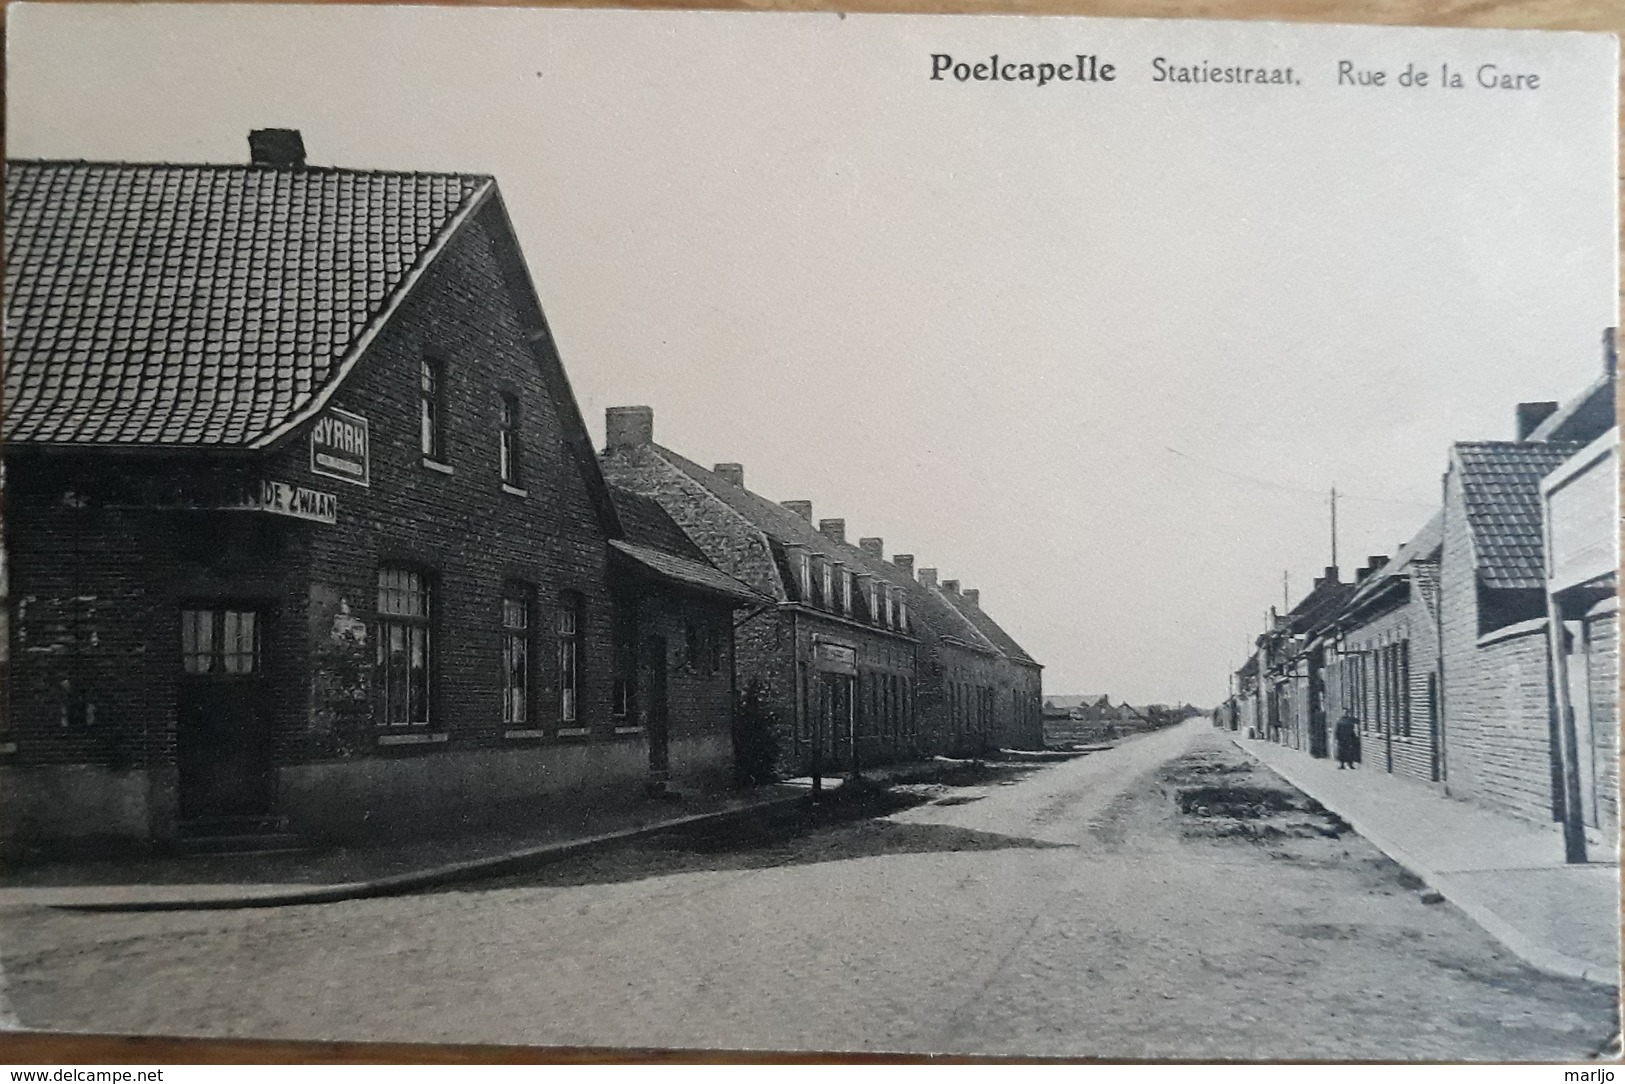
column 1500, row 485
column 129, row 286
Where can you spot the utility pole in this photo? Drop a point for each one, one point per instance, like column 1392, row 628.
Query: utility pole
column 1286, row 592
column 1334, row 528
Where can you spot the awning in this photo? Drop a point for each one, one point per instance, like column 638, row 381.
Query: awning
column 688, row 573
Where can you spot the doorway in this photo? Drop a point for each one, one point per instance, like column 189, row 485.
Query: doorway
column 223, row 749
column 837, row 719
column 653, row 712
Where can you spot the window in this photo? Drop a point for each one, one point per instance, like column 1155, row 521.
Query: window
column 622, row 688
column 846, row 591
column 872, row 603
column 508, row 439
column 1405, row 687
column 804, row 576
column 891, row 607
column 405, row 604
column 826, row 595
column 220, row 642
column 569, row 630
column 713, row 649
column 431, row 412
column 516, row 607
column 902, row 614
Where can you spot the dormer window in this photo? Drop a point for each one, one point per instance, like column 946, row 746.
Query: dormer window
column 827, row 583
column 804, row 576
column 846, row 591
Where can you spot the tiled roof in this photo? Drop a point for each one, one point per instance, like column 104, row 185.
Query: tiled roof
column 196, row 306
column 989, row 628
column 1318, row 605
column 690, row 573
column 1500, row 486
column 1423, row 546
column 656, row 542
column 646, row 523
column 784, row 526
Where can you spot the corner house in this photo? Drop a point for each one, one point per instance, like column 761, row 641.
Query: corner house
column 304, row 529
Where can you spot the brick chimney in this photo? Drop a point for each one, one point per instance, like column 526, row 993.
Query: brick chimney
column 951, row 586
column 629, row 426
column 972, row 595
column 731, row 472
column 277, row 148
column 874, row 547
column 833, row 528
column 1530, row 415
column 800, row 508
column 928, row 576
column 905, row 562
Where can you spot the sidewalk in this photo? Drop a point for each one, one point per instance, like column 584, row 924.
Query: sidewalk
column 218, row 881
column 1507, row 875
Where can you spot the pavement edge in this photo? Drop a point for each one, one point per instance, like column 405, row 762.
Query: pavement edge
column 1518, row 943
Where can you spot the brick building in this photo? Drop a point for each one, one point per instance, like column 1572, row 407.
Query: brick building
column 1384, row 668
column 1499, row 730
column 304, row 527
column 859, row 659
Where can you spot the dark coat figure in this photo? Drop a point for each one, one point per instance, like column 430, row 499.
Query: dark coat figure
column 1348, row 741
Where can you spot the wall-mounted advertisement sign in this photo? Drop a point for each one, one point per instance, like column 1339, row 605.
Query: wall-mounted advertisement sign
column 338, row 447
column 287, row 499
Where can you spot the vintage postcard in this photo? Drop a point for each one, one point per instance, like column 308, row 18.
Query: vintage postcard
column 798, row 532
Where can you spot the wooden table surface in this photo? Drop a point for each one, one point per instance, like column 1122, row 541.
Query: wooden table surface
column 1601, row 15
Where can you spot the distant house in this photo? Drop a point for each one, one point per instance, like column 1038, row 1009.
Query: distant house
column 1288, row 682
column 1017, row 718
column 1070, row 706
column 860, row 659
column 1384, row 669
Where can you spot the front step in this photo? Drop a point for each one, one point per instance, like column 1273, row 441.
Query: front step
column 235, row 835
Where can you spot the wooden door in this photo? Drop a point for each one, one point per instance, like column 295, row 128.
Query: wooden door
column 223, row 734
column 653, row 710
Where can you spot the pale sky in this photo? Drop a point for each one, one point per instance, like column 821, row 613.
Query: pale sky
column 1098, row 350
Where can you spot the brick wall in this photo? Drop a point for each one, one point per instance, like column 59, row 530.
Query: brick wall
column 1602, row 642
column 1497, row 720
column 97, row 589
column 1386, row 740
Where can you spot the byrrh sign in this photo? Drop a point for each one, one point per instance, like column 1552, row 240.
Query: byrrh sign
column 338, row 447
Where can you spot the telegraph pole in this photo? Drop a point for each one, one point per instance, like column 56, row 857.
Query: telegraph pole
column 1334, row 527
column 1286, row 592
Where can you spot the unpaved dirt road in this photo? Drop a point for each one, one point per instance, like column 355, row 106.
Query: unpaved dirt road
column 1066, row 909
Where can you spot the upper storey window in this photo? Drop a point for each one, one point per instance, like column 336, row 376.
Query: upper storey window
column 508, row 438
column 431, row 409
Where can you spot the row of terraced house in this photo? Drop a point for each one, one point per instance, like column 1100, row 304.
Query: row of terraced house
column 1482, row 657
column 304, row 532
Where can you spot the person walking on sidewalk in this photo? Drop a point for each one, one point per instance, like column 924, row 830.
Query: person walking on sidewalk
column 1348, row 742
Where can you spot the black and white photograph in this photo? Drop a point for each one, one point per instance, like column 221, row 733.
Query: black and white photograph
column 797, row 533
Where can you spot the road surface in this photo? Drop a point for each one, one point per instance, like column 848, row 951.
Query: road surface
column 1066, row 909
